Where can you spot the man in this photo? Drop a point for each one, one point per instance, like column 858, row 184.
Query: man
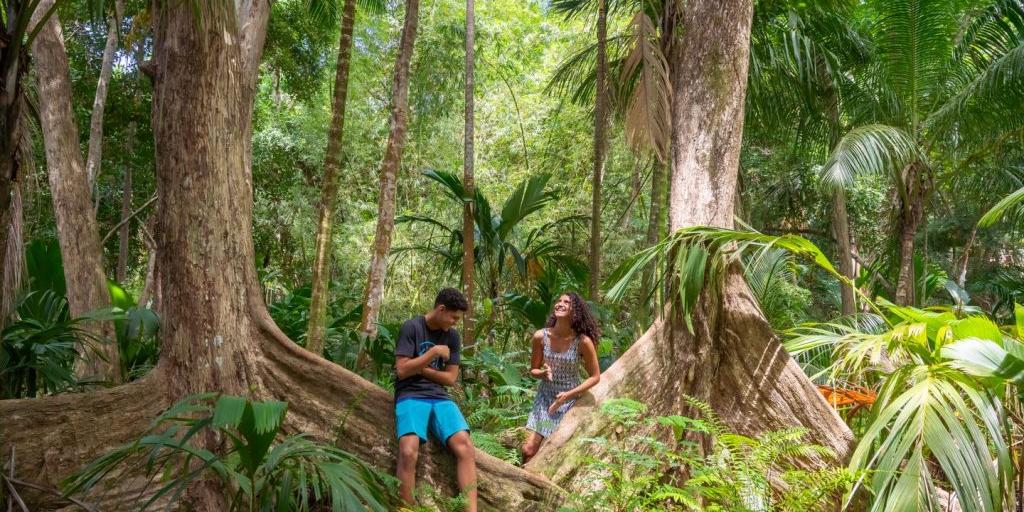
column 427, row 361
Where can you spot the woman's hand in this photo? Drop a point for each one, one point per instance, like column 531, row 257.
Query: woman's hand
column 560, row 400
column 544, row 372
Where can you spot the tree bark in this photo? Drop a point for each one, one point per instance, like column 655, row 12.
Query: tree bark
column 13, row 68
column 468, row 236
column 656, row 220
column 910, row 219
column 374, row 293
column 11, row 275
column 732, row 360
column 95, row 156
column 77, row 230
column 844, row 249
column 216, row 333
column 961, row 277
column 315, row 331
column 124, row 234
column 600, row 144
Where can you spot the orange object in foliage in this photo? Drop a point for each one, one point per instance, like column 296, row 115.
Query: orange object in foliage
column 842, row 397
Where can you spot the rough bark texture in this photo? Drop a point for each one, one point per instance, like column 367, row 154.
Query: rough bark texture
column 600, row 145
column 656, row 218
column 732, row 361
column 77, row 230
column 216, row 332
column 374, row 293
column 95, row 155
column 329, row 188
column 469, row 321
column 13, row 66
column 844, row 249
column 910, row 219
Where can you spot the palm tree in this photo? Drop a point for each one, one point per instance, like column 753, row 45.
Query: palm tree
column 500, row 238
column 944, row 82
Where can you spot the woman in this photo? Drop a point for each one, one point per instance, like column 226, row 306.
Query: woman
column 567, row 342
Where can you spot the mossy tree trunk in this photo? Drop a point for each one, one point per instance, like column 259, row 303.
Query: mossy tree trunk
column 374, row 293
column 319, row 295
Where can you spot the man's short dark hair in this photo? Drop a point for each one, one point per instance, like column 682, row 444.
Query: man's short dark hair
column 452, row 299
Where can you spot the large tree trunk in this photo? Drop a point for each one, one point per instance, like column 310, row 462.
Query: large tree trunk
column 374, row 294
column 69, row 185
column 844, row 249
column 600, row 144
column 95, row 155
column 732, row 360
column 216, row 332
column 910, row 219
column 315, row 331
column 469, row 321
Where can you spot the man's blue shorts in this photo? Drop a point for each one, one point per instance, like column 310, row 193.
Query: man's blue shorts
column 413, row 415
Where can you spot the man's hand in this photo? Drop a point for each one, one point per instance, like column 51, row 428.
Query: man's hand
column 441, row 351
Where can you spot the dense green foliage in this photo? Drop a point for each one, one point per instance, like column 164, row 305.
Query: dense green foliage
column 259, row 471
column 914, row 109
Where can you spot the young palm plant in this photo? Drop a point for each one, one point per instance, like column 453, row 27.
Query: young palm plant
column 500, row 238
column 39, row 348
column 938, row 418
column 294, row 473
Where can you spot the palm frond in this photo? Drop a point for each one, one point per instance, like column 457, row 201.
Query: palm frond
column 694, row 254
column 647, row 121
column 933, row 413
column 915, row 39
column 871, row 149
column 1001, row 208
column 529, row 197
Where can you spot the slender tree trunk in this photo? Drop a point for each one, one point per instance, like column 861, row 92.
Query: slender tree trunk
column 329, row 190
column 635, row 182
column 844, row 249
column 600, row 145
column 12, row 242
column 374, row 292
column 469, row 321
column 961, row 277
column 910, row 220
column 656, row 218
column 14, row 258
column 13, row 67
column 124, row 234
column 69, row 185
column 95, row 155
column 732, row 360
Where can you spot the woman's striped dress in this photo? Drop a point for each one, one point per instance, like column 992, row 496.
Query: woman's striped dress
column 565, row 375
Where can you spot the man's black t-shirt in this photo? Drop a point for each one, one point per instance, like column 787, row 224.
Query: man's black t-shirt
column 414, row 339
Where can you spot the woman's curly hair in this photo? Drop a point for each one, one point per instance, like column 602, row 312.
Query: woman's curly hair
column 583, row 321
